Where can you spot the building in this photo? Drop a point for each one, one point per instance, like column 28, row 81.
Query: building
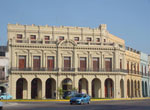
column 4, row 65
column 133, row 78
column 47, row 59
column 149, row 72
column 145, row 75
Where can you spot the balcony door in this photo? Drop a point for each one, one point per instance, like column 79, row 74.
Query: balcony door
column 108, row 64
column 22, row 62
column 36, row 62
column 50, row 63
column 95, row 64
column 67, row 63
column 82, row 63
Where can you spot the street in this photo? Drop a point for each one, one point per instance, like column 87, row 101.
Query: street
column 98, row 105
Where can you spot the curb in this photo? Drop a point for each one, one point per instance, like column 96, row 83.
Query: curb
column 55, row 100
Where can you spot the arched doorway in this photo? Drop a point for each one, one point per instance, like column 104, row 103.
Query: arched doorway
column 139, row 89
column 2, row 89
column 146, row 89
column 143, row 91
column 96, row 86
column 135, row 88
column 128, row 88
column 132, row 90
column 36, row 88
column 121, row 88
column 50, row 88
column 83, row 85
column 67, row 84
column 21, row 89
column 109, row 88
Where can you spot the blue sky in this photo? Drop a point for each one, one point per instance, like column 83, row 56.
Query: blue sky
column 127, row 19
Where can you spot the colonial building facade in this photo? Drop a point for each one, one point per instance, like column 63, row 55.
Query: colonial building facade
column 4, row 66
column 47, row 59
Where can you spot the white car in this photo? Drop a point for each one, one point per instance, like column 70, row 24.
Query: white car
column 1, row 105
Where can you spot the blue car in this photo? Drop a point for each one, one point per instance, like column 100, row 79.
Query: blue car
column 5, row 96
column 80, row 98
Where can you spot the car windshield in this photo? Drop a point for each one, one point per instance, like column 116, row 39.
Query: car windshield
column 3, row 94
column 78, row 95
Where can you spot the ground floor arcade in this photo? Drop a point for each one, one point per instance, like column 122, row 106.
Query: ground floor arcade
column 39, row 86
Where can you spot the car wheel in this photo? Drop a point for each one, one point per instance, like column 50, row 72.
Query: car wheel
column 82, row 102
column 70, row 103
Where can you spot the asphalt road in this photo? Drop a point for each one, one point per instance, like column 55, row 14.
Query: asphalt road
column 101, row 105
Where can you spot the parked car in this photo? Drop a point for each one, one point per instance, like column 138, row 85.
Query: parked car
column 80, row 98
column 1, row 105
column 69, row 94
column 5, row 96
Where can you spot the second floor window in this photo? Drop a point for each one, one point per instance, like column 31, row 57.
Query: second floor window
column 36, row 62
column 50, row 62
column 22, row 62
column 89, row 39
column 47, row 38
column 33, row 38
column 67, row 63
column 128, row 66
column 82, row 63
column 95, row 64
column 142, row 69
column 19, row 38
column 120, row 63
column 2, row 73
column 145, row 70
column 76, row 38
column 108, row 64
column 61, row 38
column 97, row 39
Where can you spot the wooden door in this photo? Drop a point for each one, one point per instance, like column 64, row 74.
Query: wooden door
column 108, row 64
column 83, row 63
column 95, row 64
column 22, row 62
column 50, row 63
column 36, row 62
column 67, row 63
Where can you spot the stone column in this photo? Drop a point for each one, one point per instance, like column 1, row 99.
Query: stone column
column 75, row 59
column 102, row 88
column 116, row 59
column 117, row 87
column 13, row 87
column 59, row 60
column 29, row 89
column 125, row 88
column 43, row 89
column 89, row 88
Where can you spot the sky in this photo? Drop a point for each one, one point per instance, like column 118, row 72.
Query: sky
column 127, row 19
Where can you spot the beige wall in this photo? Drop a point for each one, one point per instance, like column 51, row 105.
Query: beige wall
column 114, row 48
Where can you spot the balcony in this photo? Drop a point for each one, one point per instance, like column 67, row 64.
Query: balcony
column 69, row 70
column 34, row 69
column 102, row 70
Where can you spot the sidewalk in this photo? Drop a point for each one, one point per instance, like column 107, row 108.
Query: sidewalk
column 65, row 100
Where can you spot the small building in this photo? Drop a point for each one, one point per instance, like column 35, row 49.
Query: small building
column 4, row 63
column 144, row 73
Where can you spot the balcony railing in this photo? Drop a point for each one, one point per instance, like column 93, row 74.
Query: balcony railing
column 102, row 70
column 34, row 69
column 70, row 69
